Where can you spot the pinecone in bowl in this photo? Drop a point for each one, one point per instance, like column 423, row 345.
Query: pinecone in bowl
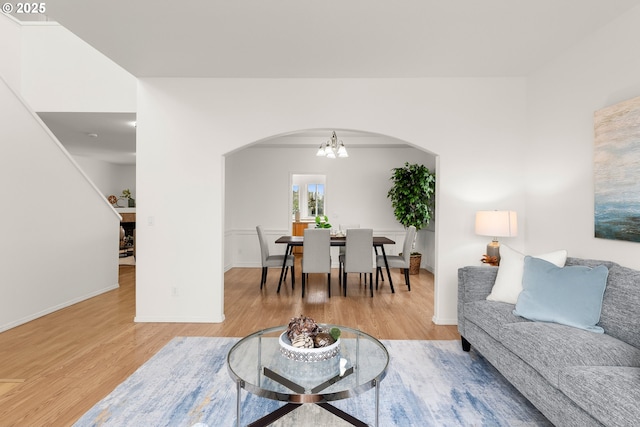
column 302, row 326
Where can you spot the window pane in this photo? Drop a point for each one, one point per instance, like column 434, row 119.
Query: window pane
column 311, row 199
column 320, row 199
column 296, row 198
column 315, row 199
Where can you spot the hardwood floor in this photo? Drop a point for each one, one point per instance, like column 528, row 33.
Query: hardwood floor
column 55, row 368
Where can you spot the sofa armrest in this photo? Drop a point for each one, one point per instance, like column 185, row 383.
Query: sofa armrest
column 474, row 284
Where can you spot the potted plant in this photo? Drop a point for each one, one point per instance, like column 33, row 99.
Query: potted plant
column 322, row 221
column 126, row 194
column 413, row 200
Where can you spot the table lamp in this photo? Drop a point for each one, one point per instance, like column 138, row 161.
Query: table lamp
column 496, row 224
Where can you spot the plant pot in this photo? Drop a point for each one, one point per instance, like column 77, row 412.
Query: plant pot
column 414, row 263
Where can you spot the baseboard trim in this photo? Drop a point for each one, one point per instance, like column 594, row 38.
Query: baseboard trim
column 179, row 319
column 444, row 321
column 55, row 308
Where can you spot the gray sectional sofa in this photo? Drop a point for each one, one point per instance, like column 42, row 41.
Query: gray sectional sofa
column 573, row 376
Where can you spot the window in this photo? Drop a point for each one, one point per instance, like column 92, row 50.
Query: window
column 296, row 198
column 308, row 195
column 315, row 199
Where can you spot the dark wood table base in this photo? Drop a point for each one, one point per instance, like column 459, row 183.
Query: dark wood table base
column 297, row 241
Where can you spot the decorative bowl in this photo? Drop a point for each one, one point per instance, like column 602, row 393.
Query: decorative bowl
column 307, row 354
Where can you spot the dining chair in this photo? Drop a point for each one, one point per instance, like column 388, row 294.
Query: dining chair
column 274, row 261
column 343, row 229
column 397, row 261
column 357, row 255
column 316, row 256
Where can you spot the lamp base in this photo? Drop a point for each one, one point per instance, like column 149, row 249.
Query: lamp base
column 493, row 253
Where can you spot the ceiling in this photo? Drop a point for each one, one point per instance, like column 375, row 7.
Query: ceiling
column 313, row 138
column 110, row 137
column 333, row 38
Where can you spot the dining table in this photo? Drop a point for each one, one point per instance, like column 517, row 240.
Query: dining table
column 378, row 243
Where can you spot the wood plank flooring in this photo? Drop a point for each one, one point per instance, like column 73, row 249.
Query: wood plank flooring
column 74, row 357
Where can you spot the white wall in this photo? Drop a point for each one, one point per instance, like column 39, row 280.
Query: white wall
column 53, row 70
column 258, row 192
column 602, row 70
column 10, row 50
column 60, row 236
column 186, row 126
column 60, row 72
column 110, row 178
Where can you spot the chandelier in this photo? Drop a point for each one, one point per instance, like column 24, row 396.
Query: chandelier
column 332, row 148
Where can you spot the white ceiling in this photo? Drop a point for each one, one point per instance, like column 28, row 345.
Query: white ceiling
column 115, row 139
column 334, row 38
column 313, row 138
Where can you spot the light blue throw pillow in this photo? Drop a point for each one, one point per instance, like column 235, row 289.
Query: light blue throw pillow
column 570, row 296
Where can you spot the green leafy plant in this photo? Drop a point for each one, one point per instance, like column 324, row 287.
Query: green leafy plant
column 322, row 221
column 335, row 333
column 126, row 193
column 413, row 195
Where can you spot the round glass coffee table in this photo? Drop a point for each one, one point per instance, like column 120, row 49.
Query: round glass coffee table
column 257, row 365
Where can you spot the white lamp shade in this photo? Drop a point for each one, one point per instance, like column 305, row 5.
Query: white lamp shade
column 497, row 223
column 342, row 151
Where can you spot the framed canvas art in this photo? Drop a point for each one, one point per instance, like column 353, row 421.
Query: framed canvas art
column 617, row 171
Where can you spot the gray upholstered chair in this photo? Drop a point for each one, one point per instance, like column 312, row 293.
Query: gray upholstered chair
column 397, row 261
column 343, row 229
column 316, row 257
column 357, row 255
column 274, row 261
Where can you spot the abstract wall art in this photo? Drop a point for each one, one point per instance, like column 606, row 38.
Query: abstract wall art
column 617, row 171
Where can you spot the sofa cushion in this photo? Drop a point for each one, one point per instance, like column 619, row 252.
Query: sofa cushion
column 586, row 386
column 550, row 348
column 490, row 316
column 554, row 404
column 570, row 295
column 508, row 284
column 620, row 315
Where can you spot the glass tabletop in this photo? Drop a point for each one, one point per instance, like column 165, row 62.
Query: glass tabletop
column 258, row 365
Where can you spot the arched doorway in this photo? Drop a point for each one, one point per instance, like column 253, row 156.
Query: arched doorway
column 258, row 188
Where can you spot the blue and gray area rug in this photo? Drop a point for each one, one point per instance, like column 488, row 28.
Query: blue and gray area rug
column 429, row 383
